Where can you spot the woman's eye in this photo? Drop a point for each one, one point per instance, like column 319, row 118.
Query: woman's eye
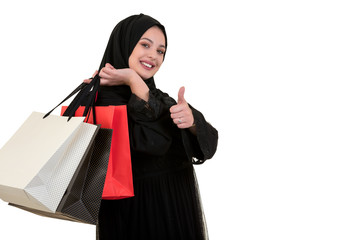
column 161, row 51
column 145, row 45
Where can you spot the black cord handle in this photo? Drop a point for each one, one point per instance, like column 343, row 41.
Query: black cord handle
column 85, row 93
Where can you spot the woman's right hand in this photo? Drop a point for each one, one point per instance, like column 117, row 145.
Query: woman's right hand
column 90, row 79
column 110, row 76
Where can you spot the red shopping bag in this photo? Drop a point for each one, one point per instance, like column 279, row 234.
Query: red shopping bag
column 118, row 182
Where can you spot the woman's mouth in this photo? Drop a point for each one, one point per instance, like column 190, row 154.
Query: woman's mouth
column 147, row 65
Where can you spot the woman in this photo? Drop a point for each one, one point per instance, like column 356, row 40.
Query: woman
column 166, row 139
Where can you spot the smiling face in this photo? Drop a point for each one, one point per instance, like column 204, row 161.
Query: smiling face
column 148, row 54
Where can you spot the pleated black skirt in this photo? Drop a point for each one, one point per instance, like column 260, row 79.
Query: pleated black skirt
column 165, row 206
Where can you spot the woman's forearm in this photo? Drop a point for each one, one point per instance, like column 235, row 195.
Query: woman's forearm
column 139, row 87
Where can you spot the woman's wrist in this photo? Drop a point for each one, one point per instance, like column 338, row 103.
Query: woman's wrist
column 138, row 86
column 129, row 77
column 192, row 129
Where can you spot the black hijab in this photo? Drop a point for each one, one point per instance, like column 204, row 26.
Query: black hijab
column 122, row 42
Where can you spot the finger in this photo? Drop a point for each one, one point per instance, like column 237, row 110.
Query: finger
column 182, row 125
column 106, row 70
column 104, row 73
column 96, row 72
column 178, row 121
column 181, row 93
column 109, row 71
column 177, row 108
column 109, row 66
column 176, row 115
column 182, row 119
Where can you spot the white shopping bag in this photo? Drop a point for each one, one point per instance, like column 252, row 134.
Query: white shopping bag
column 39, row 160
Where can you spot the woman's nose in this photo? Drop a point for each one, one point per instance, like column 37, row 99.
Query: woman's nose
column 153, row 54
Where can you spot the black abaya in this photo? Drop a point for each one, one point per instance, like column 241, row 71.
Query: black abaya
column 167, row 203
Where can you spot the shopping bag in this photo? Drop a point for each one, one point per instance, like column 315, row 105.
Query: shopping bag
column 82, row 199
column 118, row 182
column 39, row 161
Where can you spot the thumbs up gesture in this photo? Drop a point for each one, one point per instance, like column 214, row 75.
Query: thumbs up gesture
column 181, row 112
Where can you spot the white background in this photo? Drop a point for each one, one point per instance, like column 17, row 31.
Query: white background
column 278, row 79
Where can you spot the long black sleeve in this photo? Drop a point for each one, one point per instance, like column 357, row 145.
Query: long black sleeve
column 148, row 126
column 150, row 129
column 202, row 146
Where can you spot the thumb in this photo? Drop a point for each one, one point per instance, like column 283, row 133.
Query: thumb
column 96, row 72
column 181, row 93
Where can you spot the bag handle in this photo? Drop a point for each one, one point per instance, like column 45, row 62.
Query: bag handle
column 86, row 92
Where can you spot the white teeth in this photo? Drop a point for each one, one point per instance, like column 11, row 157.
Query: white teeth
column 146, row 64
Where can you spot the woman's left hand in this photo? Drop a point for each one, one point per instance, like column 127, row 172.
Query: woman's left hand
column 181, row 112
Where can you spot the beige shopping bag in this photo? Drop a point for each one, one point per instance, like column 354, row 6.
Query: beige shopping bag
column 40, row 159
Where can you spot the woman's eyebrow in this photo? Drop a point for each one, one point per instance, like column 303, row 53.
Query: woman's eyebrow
column 152, row 41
